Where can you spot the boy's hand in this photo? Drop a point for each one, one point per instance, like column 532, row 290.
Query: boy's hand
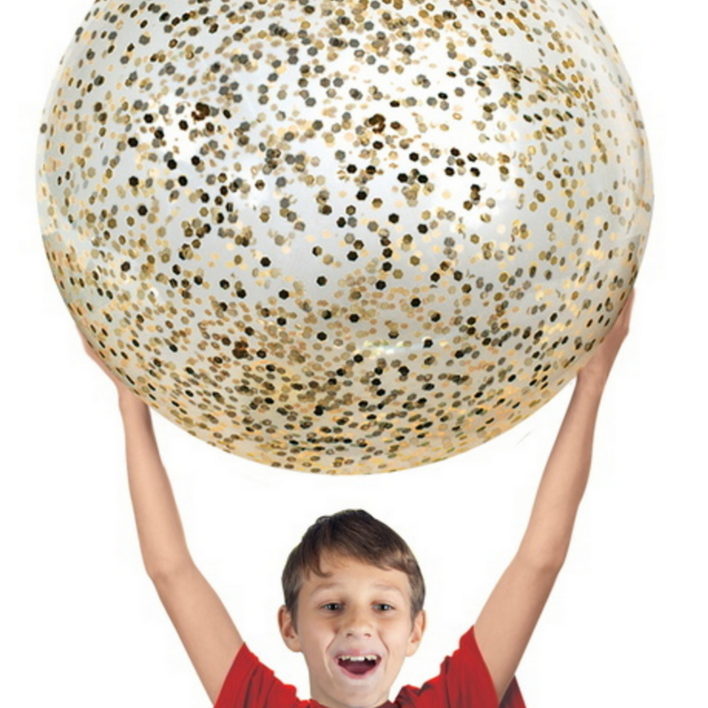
column 123, row 390
column 596, row 372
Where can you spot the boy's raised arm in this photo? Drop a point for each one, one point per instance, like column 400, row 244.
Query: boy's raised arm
column 200, row 618
column 509, row 616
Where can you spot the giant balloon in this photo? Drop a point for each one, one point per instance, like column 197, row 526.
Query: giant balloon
column 346, row 235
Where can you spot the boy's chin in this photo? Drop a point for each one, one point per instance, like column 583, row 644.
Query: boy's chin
column 356, row 690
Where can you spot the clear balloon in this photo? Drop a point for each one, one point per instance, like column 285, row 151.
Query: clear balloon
column 344, row 236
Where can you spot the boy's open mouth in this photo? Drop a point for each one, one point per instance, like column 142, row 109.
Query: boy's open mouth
column 358, row 665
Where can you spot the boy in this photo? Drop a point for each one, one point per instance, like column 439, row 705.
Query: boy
column 354, row 592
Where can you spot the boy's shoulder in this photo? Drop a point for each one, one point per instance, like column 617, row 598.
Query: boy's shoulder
column 463, row 682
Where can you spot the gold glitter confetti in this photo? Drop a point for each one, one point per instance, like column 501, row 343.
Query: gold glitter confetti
column 344, row 236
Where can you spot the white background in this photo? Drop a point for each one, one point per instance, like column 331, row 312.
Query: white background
column 80, row 624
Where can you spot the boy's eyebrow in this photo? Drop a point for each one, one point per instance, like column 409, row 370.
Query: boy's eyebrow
column 386, row 586
column 334, row 585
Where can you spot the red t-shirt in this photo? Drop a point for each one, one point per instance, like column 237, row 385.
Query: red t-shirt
column 463, row 682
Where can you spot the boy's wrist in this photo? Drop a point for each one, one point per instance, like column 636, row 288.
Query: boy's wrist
column 128, row 401
column 590, row 386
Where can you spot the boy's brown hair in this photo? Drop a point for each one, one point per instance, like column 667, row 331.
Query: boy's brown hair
column 355, row 534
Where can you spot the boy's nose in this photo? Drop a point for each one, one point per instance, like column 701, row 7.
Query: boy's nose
column 357, row 624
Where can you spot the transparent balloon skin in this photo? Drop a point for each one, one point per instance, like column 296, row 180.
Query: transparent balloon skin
column 345, row 237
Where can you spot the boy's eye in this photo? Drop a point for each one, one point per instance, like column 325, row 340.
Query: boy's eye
column 383, row 606
column 332, row 606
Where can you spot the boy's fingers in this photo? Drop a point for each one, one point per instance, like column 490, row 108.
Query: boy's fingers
column 622, row 323
column 95, row 357
column 627, row 311
column 620, row 328
column 602, row 360
column 84, row 342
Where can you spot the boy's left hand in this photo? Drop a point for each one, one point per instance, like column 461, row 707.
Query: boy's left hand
column 596, row 372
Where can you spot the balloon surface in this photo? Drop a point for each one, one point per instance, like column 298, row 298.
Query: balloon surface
column 344, row 236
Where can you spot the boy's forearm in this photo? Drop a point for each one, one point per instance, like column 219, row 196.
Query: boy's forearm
column 565, row 477
column 162, row 541
column 509, row 616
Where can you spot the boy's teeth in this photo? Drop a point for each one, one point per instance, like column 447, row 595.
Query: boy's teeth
column 368, row 657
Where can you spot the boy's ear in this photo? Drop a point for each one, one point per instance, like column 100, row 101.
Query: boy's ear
column 287, row 629
column 416, row 633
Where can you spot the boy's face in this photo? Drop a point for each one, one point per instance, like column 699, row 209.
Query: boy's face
column 354, row 627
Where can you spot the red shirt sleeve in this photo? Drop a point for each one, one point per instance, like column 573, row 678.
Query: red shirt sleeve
column 464, row 682
column 250, row 684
